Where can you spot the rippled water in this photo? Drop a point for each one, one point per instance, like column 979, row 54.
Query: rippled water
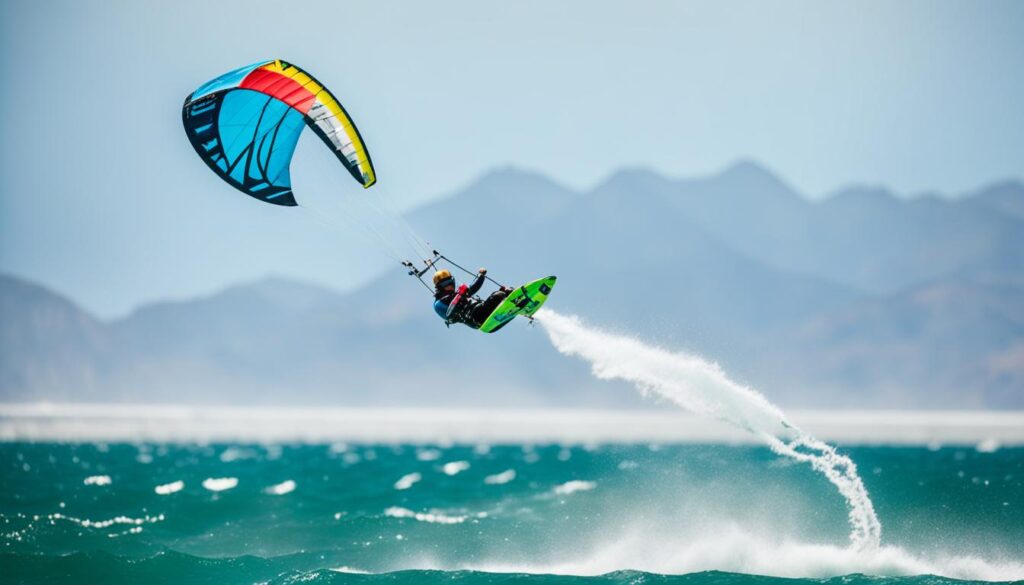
column 504, row 513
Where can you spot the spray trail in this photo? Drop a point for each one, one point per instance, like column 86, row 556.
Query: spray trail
column 703, row 388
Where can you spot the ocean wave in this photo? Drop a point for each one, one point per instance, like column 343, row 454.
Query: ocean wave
column 350, row 570
column 112, row 569
column 737, row 551
column 87, row 523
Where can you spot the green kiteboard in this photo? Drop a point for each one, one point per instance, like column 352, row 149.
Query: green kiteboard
column 524, row 301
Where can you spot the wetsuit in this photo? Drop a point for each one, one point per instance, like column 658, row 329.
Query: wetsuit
column 471, row 310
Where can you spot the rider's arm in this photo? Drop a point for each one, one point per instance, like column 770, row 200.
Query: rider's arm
column 479, row 282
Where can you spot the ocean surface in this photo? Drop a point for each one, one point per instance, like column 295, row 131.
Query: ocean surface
column 156, row 512
column 144, row 494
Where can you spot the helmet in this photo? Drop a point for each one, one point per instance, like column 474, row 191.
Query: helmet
column 441, row 276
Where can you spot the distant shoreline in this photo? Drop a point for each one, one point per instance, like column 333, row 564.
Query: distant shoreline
column 45, row 422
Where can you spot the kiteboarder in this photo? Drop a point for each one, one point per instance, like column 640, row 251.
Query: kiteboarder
column 457, row 304
column 244, row 108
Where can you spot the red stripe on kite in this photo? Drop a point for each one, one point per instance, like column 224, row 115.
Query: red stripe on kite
column 280, row 87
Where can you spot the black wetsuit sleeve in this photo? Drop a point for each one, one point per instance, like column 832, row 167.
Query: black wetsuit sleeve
column 475, row 287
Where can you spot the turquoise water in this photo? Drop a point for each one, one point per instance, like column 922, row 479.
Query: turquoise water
column 498, row 514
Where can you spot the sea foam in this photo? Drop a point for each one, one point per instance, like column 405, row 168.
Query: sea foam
column 731, row 548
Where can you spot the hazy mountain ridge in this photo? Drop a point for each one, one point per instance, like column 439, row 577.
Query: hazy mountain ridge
column 47, row 344
column 860, row 236
column 863, row 299
column 954, row 340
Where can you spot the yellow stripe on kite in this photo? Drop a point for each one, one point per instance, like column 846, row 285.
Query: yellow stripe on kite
column 328, row 101
column 334, row 107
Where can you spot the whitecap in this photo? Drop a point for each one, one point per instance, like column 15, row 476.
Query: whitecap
column 733, row 549
column 433, row 518
column 989, row 445
column 350, row 570
column 285, row 487
column 98, row 480
column 500, row 478
column 455, row 467
column 132, row 530
column 571, row 487
column 236, row 454
column 169, row 488
column 219, row 484
column 407, row 481
column 428, row 455
column 87, row 523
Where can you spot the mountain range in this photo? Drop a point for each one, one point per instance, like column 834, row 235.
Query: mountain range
column 860, row 300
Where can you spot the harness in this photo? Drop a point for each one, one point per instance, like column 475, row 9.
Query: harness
column 460, row 307
column 455, row 302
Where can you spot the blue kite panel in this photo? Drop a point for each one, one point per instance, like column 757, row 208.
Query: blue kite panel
column 226, row 81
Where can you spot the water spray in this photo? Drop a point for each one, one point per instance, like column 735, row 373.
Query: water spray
column 703, row 388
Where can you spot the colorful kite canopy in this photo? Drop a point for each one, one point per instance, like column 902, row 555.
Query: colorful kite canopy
column 245, row 125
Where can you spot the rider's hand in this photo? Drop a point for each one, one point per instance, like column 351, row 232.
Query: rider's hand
column 482, row 271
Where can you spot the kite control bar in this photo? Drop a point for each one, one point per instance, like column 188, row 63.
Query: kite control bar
column 429, row 264
column 432, row 262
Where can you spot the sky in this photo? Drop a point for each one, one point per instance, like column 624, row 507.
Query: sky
column 104, row 200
